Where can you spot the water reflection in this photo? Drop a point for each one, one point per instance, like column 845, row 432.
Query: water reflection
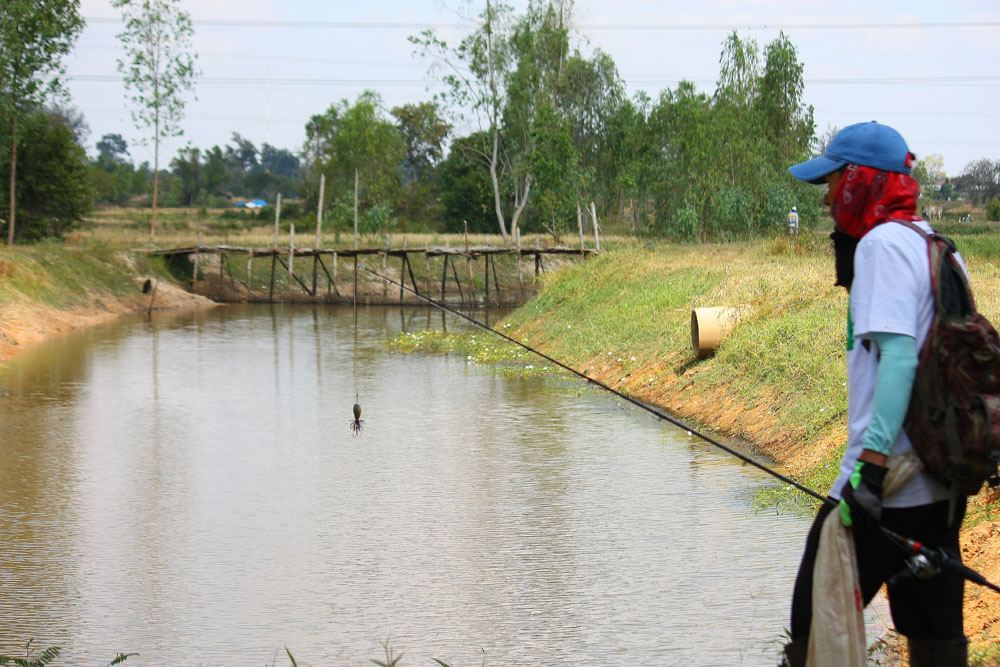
column 188, row 488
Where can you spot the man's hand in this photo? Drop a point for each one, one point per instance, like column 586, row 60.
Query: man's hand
column 861, row 497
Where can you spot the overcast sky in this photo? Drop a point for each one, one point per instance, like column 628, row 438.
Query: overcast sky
column 929, row 68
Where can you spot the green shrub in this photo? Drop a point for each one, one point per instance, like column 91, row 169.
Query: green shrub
column 993, row 210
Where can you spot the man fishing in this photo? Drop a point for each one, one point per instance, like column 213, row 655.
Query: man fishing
column 885, row 269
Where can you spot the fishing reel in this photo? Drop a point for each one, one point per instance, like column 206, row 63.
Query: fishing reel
column 924, row 565
column 927, row 562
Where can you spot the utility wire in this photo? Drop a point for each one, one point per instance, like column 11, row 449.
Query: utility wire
column 416, row 25
column 931, row 557
column 986, row 81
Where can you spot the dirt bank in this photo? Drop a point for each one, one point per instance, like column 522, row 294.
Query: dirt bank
column 24, row 322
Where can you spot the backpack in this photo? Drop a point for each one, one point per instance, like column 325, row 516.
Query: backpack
column 953, row 419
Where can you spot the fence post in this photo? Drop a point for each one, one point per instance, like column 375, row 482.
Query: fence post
column 319, row 229
column 385, row 260
column 402, row 270
column 597, row 227
column 291, row 255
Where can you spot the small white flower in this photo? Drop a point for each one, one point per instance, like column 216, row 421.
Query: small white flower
column 633, row 358
column 469, row 357
column 690, row 433
column 569, row 326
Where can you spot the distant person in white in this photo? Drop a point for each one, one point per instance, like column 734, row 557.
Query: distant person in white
column 793, row 222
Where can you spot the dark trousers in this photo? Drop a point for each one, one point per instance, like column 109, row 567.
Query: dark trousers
column 921, row 608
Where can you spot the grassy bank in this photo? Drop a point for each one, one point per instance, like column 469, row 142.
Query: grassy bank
column 52, row 288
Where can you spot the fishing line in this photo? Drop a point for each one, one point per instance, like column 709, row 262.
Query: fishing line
column 931, row 558
column 648, row 408
column 356, row 424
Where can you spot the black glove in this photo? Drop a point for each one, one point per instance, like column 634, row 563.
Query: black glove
column 861, row 497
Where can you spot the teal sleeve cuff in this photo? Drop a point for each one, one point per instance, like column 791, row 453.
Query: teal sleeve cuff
column 897, row 368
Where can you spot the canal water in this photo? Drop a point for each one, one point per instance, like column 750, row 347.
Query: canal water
column 187, row 488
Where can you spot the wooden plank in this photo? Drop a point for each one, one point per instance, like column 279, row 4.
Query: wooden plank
column 520, row 281
column 427, row 263
column 291, row 256
column 274, row 258
column 486, row 281
column 402, row 270
column 496, row 281
column 292, row 275
column 333, row 281
column 444, row 277
column 194, row 277
column 277, row 216
column 597, row 227
column 249, row 273
column 468, row 265
column 319, row 228
column 413, row 280
column 461, row 294
column 385, row 264
column 329, row 278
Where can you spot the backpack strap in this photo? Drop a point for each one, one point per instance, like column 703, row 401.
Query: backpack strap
column 941, row 249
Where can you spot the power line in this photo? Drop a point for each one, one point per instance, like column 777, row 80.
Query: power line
column 410, row 25
column 985, row 81
column 263, row 81
column 274, row 58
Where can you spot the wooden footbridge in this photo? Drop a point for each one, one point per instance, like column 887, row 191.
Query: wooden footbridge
column 322, row 281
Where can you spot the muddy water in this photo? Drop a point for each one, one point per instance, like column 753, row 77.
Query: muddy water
column 188, row 488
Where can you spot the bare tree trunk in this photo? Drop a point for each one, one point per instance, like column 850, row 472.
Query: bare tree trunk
column 496, row 185
column 13, row 179
column 521, row 202
column 156, row 174
column 495, row 155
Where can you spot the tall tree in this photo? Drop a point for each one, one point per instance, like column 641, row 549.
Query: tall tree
column 53, row 190
column 424, row 132
column 349, row 137
column 466, row 191
column 478, row 71
column 928, row 171
column 981, row 179
column 187, row 167
column 555, row 166
column 34, row 36
column 111, row 150
column 159, row 70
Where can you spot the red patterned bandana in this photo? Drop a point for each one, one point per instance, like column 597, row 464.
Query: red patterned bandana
column 867, row 197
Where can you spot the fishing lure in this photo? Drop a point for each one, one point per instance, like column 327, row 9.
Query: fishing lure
column 357, row 424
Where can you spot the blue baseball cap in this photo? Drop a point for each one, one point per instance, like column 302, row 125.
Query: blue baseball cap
column 865, row 144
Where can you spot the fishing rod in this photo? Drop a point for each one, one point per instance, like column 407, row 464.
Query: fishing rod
column 924, row 562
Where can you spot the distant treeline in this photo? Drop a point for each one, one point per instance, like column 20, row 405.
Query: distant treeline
column 557, row 132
